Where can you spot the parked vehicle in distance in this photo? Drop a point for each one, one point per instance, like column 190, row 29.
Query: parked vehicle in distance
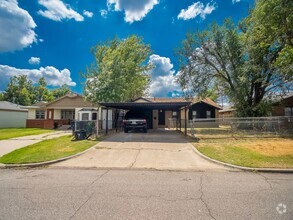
column 134, row 121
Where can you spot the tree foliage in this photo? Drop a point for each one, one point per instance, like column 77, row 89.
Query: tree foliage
column 249, row 63
column 20, row 90
column 23, row 91
column 62, row 91
column 42, row 93
column 269, row 29
column 119, row 71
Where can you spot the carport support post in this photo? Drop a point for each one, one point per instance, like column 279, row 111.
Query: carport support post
column 107, row 121
column 185, row 122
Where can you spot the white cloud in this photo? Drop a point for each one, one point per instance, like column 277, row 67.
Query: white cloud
column 56, row 10
column 34, row 60
column 88, row 14
column 235, row 1
column 197, row 9
column 53, row 76
column 17, row 27
column 104, row 13
column 163, row 81
column 134, row 10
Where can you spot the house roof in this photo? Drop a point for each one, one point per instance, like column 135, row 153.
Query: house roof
column 227, row 109
column 282, row 99
column 178, row 99
column 4, row 105
column 210, row 102
column 73, row 100
column 146, row 105
column 162, row 103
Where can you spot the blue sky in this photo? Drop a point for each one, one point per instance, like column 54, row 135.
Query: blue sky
column 52, row 38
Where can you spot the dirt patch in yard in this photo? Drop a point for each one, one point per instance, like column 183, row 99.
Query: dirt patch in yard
column 264, row 152
column 271, row 147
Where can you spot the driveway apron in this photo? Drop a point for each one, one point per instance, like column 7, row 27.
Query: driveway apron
column 157, row 149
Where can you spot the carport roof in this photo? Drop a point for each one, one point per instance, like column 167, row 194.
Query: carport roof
column 146, row 105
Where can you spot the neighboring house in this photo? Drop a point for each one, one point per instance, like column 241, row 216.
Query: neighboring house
column 12, row 115
column 280, row 107
column 284, row 107
column 227, row 112
column 159, row 111
column 61, row 112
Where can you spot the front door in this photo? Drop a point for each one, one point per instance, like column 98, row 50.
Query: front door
column 50, row 114
column 161, row 117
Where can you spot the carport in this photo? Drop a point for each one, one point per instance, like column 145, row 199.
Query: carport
column 155, row 111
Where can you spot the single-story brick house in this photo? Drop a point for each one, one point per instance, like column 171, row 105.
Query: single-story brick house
column 159, row 111
column 61, row 112
column 227, row 112
column 12, row 115
column 284, row 107
column 281, row 107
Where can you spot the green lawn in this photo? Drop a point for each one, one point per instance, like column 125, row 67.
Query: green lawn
column 267, row 153
column 6, row 133
column 47, row 150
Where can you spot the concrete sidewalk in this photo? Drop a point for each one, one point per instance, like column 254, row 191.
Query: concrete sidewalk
column 158, row 149
column 9, row 145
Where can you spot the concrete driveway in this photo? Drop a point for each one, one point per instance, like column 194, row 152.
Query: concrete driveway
column 157, row 149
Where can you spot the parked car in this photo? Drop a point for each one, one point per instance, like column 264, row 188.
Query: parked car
column 134, row 121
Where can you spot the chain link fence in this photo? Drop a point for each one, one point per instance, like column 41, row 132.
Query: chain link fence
column 235, row 127
column 84, row 129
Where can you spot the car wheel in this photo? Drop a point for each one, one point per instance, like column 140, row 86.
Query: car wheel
column 125, row 130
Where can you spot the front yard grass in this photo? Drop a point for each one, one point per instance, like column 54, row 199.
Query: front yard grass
column 252, row 152
column 7, row 133
column 47, row 150
column 249, row 148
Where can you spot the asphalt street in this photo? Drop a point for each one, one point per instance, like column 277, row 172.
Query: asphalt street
column 58, row 193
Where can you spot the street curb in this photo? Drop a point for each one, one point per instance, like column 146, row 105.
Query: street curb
column 32, row 165
column 251, row 169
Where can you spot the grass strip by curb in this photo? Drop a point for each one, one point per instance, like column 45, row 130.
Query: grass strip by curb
column 232, row 153
column 47, row 150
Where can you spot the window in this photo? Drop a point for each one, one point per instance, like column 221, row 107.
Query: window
column 288, row 111
column 193, row 114
column 85, row 116
column 174, row 114
column 67, row 114
column 94, row 116
column 209, row 114
column 40, row 114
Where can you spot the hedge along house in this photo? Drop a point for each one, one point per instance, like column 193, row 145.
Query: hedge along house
column 61, row 112
column 159, row 112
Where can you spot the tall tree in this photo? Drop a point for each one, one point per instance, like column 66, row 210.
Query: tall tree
column 19, row 90
column 62, row 91
column 119, row 71
column 220, row 56
column 269, row 34
column 42, row 93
